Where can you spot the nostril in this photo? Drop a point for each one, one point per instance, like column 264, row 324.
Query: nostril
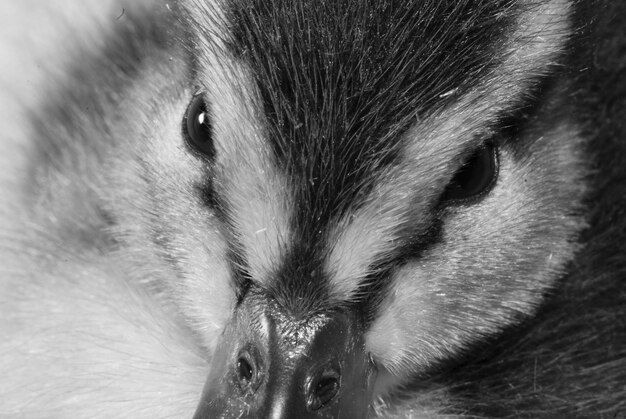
column 323, row 388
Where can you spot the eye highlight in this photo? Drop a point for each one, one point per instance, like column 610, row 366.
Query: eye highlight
column 475, row 178
column 198, row 127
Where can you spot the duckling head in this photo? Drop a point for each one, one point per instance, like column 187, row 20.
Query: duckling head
column 344, row 196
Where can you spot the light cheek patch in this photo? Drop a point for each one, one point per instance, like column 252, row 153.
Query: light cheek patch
column 494, row 264
column 175, row 243
column 254, row 193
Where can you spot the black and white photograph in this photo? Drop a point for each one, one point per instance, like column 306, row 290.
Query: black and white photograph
column 322, row 209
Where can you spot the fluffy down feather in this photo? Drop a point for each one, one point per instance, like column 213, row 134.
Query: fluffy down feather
column 109, row 230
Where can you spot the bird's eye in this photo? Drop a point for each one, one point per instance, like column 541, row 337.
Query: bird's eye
column 198, row 128
column 475, row 178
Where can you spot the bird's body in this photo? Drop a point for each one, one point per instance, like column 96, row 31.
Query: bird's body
column 229, row 189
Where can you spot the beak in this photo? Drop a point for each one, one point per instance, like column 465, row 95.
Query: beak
column 268, row 365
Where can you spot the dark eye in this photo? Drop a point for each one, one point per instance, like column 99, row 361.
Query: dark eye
column 198, row 128
column 475, row 178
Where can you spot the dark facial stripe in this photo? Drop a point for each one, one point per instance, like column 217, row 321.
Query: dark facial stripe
column 341, row 80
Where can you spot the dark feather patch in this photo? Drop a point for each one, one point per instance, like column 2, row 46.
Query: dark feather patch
column 342, row 80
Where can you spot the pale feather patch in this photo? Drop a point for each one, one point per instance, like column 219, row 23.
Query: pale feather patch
column 32, row 35
column 87, row 344
column 77, row 340
column 370, row 234
column 255, row 193
column 494, row 263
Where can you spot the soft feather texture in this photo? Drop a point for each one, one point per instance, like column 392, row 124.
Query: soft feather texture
column 365, row 224
column 570, row 359
column 117, row 278
column 78, row 338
